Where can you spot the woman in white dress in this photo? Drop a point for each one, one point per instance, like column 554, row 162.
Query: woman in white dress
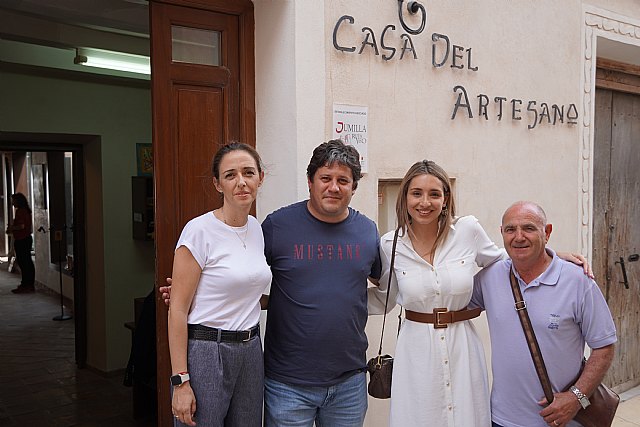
column 439, row 374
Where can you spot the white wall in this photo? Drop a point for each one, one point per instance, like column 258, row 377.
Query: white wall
column 290, row 96
column 523, row 50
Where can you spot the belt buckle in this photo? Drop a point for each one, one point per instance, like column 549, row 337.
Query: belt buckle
column 248, row 336
column 521, row 305
column 436, row 323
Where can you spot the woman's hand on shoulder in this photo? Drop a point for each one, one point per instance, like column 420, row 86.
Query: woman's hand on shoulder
column 577, row 259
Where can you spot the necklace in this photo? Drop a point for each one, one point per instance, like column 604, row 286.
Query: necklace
column 246, row 230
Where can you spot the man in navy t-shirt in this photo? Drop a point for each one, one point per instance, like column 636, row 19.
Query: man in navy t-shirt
column 321, row 253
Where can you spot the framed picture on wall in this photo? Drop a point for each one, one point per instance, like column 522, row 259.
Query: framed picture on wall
column 144, row 157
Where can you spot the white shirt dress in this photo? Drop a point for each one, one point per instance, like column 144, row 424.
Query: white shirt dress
column 439, row 375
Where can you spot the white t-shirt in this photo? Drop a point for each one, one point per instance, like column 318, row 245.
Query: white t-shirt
column 232, row 278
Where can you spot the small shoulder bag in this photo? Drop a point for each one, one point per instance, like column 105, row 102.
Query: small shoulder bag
column 381, row 367
column 604, row 401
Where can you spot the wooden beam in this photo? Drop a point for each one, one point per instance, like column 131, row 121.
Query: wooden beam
column 617, row 76
column 610, row 64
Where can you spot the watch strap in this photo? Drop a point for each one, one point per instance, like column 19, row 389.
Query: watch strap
column 582, row 398
column 179, row 379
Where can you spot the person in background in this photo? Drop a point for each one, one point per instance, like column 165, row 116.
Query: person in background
column 439, row 374
column 566, row 310
column 219, row 275
column 21, row 229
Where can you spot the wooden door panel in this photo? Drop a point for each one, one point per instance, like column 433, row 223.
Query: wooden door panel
column 200, row 129
column 601, row 171
column 616, row 212
column 625, row 236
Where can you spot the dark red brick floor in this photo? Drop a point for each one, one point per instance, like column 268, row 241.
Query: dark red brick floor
column 39, row 382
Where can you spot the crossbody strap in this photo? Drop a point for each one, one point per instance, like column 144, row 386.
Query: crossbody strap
column 386, row 301
column 532, row 342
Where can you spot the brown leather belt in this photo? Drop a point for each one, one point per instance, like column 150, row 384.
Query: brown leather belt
column 441, row 317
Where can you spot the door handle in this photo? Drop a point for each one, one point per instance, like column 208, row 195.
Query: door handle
column 624, row 272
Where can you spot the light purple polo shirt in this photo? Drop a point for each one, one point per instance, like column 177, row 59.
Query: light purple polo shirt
column 566, row 309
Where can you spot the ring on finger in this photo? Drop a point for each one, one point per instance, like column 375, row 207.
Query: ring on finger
column 555, row 423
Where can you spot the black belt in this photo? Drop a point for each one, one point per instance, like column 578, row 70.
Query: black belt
column 200, row 332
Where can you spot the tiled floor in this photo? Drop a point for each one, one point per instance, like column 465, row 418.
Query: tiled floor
column 628, row 414
column 41, row 385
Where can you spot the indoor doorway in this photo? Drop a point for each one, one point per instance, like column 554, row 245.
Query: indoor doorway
column 51, row 176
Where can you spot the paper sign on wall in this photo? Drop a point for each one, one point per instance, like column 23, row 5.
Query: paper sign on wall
column 350, row 125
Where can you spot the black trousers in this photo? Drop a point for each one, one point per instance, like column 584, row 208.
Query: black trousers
column 23, row 258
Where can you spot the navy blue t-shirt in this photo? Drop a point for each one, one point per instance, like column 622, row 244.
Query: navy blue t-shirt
column 318, row 301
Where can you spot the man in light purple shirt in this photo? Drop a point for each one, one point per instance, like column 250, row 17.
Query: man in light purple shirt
column 566, row 309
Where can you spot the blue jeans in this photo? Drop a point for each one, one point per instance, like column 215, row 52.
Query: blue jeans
column 340, row 405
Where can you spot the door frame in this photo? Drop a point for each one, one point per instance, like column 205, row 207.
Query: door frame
column 596, row 23
column 25, row 141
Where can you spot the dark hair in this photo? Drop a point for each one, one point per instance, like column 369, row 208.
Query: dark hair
column 20, row 201
column 426, row 167
column 330, row 152
column 233, row 146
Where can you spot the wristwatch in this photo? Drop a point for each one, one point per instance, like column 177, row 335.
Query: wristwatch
column 582, row 398
column 181, row 378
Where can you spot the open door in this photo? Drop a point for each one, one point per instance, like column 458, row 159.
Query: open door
column 203, row 97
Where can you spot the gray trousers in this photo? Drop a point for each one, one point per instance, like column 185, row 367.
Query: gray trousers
column 228, row 382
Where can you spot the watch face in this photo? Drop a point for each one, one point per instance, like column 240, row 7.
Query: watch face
column 176, row 380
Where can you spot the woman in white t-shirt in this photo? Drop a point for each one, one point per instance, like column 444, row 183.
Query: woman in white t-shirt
column 219, row 275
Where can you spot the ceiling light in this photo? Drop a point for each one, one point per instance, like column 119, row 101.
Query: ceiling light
column 113, row 60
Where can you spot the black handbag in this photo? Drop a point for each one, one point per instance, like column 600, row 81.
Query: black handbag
column 380, row 368
column 604, row 401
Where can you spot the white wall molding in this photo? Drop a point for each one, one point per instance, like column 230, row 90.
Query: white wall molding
column 605, row 24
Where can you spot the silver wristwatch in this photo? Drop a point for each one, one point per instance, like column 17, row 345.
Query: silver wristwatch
column 582, row 398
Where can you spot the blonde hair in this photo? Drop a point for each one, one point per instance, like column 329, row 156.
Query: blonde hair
column 426, row 167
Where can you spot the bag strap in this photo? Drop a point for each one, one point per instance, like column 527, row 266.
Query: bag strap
column 532, row 342
column 386, row 302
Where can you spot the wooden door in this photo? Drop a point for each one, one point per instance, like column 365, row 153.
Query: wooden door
column 203, row 97
column 616, row 231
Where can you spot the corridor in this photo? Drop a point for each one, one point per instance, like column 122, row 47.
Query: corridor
column 41, row 385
